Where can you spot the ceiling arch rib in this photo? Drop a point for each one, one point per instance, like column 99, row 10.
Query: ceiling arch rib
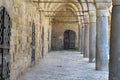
column 54, row 6
column 76, row 6
column 73, row 5
column 49, row 2
column 71, row 14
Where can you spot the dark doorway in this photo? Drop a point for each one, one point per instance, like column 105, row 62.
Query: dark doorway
column 69, row 40
column 42, row 41
column 33, row 44
column 5, row 33
column 48, row 40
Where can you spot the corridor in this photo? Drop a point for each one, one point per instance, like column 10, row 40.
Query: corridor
column 64, row 65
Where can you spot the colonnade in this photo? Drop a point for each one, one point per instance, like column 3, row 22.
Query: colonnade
column 95, row 44
column 114, row 64
column 98, row 40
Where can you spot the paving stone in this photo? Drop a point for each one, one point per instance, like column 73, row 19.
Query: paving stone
column 64, row 65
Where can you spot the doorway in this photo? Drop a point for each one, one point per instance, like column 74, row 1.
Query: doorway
column 33, row 44
column 69, row 40
column 42, row 41
column 5, row 33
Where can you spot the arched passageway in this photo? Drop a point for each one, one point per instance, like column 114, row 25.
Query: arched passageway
column 87, row 18
column 69, row 39
column 5, row 32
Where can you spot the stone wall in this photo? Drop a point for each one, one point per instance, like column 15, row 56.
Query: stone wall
column 60, row 25
column 23, row 14
column 58, row 35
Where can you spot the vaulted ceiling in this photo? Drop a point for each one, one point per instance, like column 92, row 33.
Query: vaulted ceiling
column 78, row 7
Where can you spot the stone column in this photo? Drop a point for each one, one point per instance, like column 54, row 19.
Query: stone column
column 92, row 39
column 102, row 48
column 114, row 66
column 80, row 32
column 80, row 36
column 82, row 40
column 86, row 42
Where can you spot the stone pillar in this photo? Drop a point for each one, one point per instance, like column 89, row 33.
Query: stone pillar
column 92, row 39
column 80, row 32
column 114, row 66
column 86, row 43
column 102, row 48
column 80, row 36
column 82, row 40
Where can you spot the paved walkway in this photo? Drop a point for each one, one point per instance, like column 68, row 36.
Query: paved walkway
column 64, row 65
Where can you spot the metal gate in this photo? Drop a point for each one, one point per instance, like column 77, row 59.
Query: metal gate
column 5, row 32
column 69, row 40
column 33, row 44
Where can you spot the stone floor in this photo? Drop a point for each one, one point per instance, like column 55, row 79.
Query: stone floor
column 64, row 65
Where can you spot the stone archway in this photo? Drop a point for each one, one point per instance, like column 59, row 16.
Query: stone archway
column 69, row 39
column 5, row 33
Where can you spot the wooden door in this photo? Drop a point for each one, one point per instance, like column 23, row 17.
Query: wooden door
column 69, row 40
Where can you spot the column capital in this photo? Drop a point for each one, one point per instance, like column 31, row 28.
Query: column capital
column 82, row 21
column 86, row 24
column 93, row 19
column 86, row 19
column 85, row 13
column 92, row 13
column 92, row 16
column 103, row 5
column 83, row 26
column 102, row 12
column 116, row 2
